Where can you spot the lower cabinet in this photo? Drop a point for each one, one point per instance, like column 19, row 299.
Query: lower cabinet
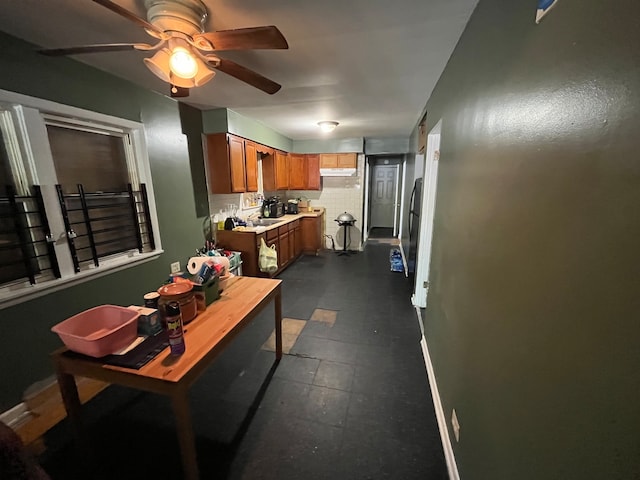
column 283, row 251
column 311, row 233
column 291, row 240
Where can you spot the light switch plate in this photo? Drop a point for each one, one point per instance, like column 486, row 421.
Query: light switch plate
column 175, row 267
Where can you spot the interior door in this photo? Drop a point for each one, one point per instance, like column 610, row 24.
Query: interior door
column 383, row 195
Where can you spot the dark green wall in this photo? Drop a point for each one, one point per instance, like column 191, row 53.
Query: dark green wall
column 533, row 315
column 26, row 340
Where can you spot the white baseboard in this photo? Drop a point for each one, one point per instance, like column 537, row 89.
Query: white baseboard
column 452, row 467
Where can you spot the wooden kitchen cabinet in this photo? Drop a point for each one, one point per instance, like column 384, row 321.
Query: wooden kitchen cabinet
column 311, row 230
column 302, row 235
column 304, row 171
column 275, row 171
column 313, row 172
column 284, row 252
column 338, row 160
column 328, row 160
column 295, row 239
column 347, row 160
column 297, row 172
column 229, row 169
column 298, row 239
column 251, row 166
column 225, row 163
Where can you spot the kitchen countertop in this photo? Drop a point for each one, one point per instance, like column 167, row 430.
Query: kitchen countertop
column 316, row 212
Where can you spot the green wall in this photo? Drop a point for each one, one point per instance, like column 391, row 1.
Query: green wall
column 225, row 120
column 533, row 315
column 27, row 341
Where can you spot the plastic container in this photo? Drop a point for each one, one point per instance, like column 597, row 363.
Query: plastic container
column 183, row 294
column 99, row 331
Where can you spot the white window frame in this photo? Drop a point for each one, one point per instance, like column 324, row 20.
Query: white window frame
column 30, row 116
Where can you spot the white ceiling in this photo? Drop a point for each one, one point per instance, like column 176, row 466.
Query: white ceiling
column 368, row 64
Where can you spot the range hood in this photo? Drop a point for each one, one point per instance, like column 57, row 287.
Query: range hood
column 337, row 172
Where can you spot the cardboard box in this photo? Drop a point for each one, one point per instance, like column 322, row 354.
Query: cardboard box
column 149, row 320
column 206, row 294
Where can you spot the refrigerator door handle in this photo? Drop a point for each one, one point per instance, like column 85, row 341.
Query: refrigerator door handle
column 411, row 210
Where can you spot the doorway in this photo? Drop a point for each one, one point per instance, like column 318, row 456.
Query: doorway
column 384, row 181
column 421, row 288
column 382, row 215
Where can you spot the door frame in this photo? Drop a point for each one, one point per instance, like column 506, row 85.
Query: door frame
column 397, row 211
column 425, row 237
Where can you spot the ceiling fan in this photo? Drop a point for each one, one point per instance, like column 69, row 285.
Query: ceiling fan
column 184, row 53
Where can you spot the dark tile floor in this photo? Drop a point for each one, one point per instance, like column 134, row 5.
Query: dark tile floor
column 350, row 401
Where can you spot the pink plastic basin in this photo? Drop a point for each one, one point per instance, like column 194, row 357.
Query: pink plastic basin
column 99, row 331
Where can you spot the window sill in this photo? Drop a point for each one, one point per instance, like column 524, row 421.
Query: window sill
column 25, row 293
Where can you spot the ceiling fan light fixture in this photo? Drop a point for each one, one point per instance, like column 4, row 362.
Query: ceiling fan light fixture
column 204, row 75
column 159, row 64
column 327, row 126
column 183, row 63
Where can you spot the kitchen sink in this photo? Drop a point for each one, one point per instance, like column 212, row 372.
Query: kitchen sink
column 266, row 222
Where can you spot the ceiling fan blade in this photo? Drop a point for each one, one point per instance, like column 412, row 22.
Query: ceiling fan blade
column 248, row 76
column 267, row 37
column 106, row 47
column 141, row 22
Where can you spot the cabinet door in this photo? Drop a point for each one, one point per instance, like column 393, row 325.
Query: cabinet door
column 282, row 170
column 297, row 239
column 225, row 163
column 251, row 166
column 283, row 250
column 218, row 168
column 347, row 160
column 313, row 172
column 297, row 172
column 311, row 233
column 236, row 162
column 328, row 160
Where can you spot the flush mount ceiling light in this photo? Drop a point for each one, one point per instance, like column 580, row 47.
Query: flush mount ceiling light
column 327, row 126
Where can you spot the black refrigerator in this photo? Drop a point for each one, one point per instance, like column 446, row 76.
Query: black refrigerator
column 414, row 225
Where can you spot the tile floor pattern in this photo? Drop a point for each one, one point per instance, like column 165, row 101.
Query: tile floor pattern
column 350, row 400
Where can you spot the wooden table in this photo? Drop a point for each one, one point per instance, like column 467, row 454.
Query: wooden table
column 205, row 337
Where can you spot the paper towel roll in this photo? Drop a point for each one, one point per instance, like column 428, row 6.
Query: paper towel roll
column 196, row 262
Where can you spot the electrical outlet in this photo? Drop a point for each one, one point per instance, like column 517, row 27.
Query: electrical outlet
column 175, row 267
column 455, row 424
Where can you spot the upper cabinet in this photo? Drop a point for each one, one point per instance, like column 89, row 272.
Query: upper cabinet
column 232, row 166
column 229, row 169
column 313, row 171
column 338, row 160
column 304, row 171
column 275, row 171
column 297, row 172
column 251, row 166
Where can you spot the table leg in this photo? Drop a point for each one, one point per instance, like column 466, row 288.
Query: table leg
column 182, row 412
column 71, row 399
column 278, row 315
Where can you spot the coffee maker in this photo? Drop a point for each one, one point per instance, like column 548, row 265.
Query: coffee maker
column 273, row 207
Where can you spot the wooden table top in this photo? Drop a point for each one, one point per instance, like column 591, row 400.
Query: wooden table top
column 205, row 336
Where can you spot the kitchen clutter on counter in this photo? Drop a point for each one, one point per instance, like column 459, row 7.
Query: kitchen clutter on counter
column 255, row 209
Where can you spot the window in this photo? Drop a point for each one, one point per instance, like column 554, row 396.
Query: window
column 75, row 196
